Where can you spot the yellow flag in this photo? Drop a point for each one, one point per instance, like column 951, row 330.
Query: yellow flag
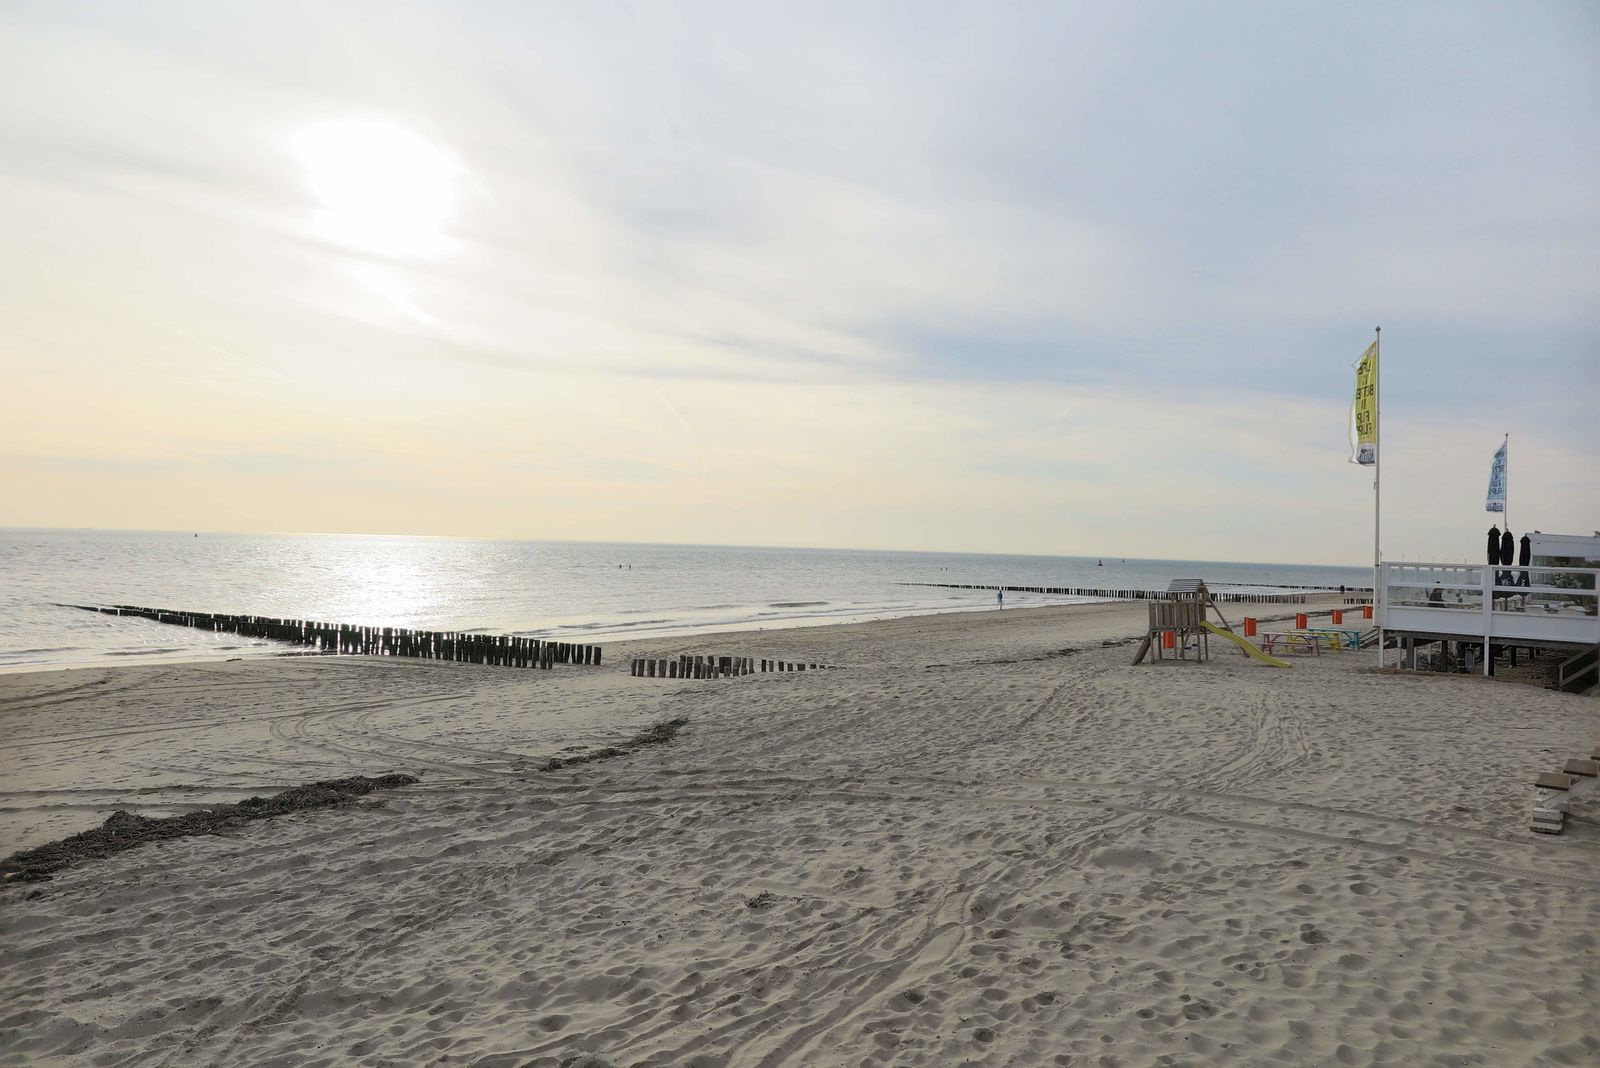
column 1364, row 412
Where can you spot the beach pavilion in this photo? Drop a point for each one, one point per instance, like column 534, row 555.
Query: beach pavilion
column 1477, row 612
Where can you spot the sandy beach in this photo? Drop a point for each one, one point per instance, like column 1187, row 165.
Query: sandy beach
column 981, row 839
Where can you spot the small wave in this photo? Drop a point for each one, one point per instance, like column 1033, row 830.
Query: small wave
column 793, row 604
column 608, row 626
column 691, row 608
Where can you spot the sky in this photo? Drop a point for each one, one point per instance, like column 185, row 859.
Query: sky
column 1076, row 279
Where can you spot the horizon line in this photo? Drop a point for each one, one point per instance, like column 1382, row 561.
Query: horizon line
column 670, row 544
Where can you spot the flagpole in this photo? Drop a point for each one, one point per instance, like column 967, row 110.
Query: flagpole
column 1377, row 497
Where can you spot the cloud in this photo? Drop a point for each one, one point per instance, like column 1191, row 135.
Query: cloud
column 1089, row 266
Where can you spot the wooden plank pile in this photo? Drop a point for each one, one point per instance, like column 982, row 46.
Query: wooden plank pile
column 685, row 666
column 1554, row 791
column 496, row 650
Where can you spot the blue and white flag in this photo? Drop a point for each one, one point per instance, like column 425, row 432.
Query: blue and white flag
column 1497, row 480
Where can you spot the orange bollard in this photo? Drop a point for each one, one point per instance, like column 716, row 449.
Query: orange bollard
column 1299, row 621
column 1337, row 616
column 1249, row 626
column 1366, row 611
column 1169, row 639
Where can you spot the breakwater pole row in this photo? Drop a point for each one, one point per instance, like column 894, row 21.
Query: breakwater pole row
column 712, row 667
column 1119, row 595
column 496, row 650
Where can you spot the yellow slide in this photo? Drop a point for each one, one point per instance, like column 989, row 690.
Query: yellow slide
column 1249, row 650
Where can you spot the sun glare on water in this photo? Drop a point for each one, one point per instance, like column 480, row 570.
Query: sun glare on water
column 382, row 187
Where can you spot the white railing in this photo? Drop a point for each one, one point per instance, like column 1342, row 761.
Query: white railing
column 1521, row 605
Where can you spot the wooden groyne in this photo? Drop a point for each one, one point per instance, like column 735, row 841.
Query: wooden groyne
column 712, row 667
column 495, row 650
column 1124, row 594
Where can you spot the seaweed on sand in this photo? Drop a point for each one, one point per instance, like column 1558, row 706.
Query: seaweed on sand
column 657, row 734
column 126, row 830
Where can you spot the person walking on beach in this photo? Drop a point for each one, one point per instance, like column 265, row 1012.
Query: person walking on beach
column 1000, row 599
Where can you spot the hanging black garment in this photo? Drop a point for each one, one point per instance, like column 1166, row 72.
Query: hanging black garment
column 1508, row 548
column 1525, row 555
column 1494, row 545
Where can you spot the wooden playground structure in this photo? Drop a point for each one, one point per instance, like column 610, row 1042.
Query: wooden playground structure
column 1174, row 626
column 1178, row 623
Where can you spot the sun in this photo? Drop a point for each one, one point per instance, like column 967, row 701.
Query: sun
column 381, row 187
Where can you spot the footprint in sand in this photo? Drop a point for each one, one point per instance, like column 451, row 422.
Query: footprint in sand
column 1126, row 858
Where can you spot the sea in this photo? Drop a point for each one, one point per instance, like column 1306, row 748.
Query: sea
column 569, row 591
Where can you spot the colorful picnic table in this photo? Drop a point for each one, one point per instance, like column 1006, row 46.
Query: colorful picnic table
column 1345, row 637
column 1293, row 641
